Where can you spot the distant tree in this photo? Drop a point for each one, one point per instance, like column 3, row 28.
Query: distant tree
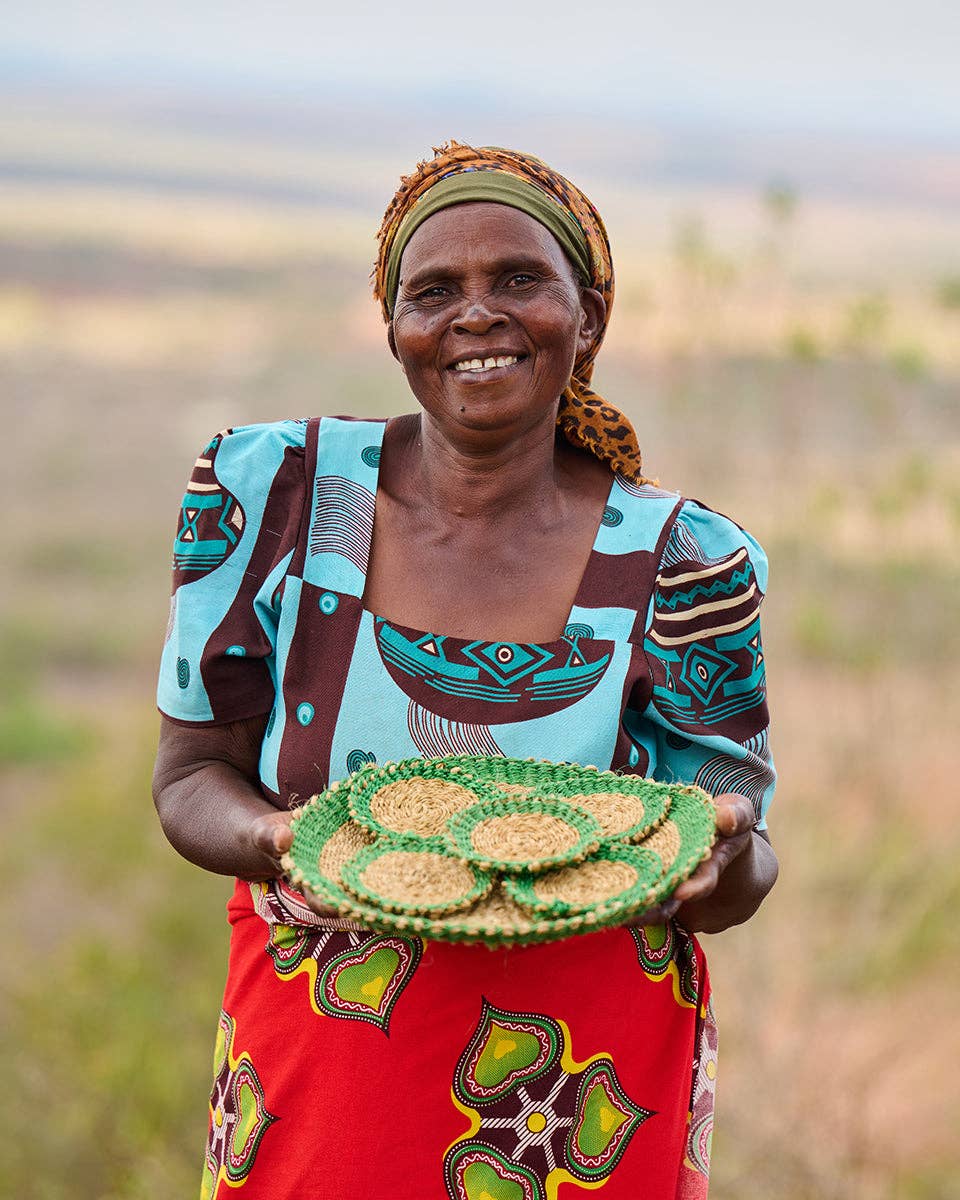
column 780, row 201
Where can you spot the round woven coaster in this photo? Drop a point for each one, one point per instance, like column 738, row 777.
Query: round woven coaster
column 685, row 838
column 324, row 839
column 523, row 835
column 627, row 806
column 621, row 878
column 413, row 797
column 406, row 876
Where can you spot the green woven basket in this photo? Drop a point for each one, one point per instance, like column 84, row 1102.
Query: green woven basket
column 332, row 850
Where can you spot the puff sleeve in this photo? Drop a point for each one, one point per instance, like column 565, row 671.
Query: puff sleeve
column 707, row 720
column 237, row 533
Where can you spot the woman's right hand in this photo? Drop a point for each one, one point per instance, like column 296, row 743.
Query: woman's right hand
column 271, row 834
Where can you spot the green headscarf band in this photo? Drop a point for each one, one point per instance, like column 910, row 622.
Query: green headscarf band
column 494, row 187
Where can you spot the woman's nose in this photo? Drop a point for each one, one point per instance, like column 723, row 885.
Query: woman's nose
column 478, row 317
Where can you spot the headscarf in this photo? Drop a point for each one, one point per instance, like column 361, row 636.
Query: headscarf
column 522, row 181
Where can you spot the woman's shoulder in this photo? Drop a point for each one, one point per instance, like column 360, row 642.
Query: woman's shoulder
column 705, row 538
column 262, row 437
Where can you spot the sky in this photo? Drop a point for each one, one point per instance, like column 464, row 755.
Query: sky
column 874, row 67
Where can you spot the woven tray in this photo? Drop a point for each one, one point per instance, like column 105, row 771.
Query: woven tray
column 332, row 853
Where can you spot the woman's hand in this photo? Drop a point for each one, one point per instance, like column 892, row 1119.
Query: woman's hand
column 728, row 886
column 271, row 834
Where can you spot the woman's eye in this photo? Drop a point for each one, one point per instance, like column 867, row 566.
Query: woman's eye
column 437, row 292
column 520, row 279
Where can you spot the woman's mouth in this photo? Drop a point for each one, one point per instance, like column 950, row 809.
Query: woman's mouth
column 474, row 367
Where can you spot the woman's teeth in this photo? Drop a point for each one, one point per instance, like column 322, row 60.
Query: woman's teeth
column 485, row 364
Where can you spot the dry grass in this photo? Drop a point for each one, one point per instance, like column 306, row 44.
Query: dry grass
column 808, row 385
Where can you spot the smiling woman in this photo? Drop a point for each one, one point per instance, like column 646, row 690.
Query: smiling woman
column 462, row 580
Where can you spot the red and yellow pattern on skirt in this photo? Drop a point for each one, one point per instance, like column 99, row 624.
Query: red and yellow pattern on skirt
column 457, row 1071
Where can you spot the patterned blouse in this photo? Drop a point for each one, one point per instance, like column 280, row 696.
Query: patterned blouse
column 267, row 617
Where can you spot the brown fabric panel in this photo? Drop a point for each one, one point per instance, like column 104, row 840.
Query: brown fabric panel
column 241, row 686
column 318, row 662
column 617, row 580
column 637, row 689
column 309, row 472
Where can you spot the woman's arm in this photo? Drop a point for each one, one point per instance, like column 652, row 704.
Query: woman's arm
column 209, row 801
column 729, row 887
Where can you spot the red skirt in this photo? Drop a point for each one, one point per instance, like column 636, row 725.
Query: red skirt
column 357, row 1066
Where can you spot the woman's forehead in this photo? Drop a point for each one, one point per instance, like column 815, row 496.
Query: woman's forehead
column 475, row 233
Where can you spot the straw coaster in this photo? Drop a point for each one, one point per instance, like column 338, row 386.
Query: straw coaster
column 627, row 806
column 409, row 877
column 523, row 835
column 324, row 840
column 413, row 797
column 685, row 838
column 622, row 878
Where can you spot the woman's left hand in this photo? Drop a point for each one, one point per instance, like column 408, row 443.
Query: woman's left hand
column 729, row 885
column 735, row 822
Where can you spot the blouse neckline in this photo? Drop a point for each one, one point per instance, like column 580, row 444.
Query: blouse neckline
column 581, row 583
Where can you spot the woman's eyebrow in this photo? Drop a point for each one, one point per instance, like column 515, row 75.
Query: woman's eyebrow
column 498, row 266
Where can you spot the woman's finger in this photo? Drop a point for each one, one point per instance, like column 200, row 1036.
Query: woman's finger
column 735, row 814
column 272, row 834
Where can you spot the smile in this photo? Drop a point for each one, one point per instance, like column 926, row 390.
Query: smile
column 476, row 365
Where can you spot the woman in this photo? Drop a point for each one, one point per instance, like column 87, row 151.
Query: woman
column 349, row 591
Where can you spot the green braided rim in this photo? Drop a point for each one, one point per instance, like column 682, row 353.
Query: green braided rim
column 639, row 896
column 461, row 826
column 549, row 780
column 496, row 919
column 694, row 813
column 352, row 876
column 367, row 782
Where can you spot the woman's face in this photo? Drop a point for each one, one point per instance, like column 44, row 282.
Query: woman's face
column 489, row 318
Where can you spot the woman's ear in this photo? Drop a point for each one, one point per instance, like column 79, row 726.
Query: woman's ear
column 593, row 312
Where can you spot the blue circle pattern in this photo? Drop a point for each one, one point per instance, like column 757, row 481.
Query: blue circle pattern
column 328, row 604
column 236, row 651
column 183, row 673
column 578, row 631
column 612, row 517
column 371, row 455
column 305, row 713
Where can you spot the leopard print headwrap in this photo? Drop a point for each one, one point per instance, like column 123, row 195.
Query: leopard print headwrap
column 584, row 418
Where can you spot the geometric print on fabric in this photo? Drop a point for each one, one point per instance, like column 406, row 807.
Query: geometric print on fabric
column 667, row 951
column 435, row 736
column 489, row 683
column 704, row 643
column 357, row 976
column 750, row 777
column 238, row 1114
column 537, row 1117
column 695, row 1178
column 211, row 519
column 342, row 521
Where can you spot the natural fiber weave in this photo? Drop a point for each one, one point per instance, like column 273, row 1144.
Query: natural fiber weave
column 522, row 834
column 413, row 797
column 621, row 877
column 410, row 878
column 327, row 841
column 627, row 806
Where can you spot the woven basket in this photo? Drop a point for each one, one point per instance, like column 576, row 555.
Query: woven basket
column 361, row 855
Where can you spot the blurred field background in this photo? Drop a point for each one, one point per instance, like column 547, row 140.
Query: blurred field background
column 786, row 337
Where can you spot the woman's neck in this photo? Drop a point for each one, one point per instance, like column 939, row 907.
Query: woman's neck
column 475, row 476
